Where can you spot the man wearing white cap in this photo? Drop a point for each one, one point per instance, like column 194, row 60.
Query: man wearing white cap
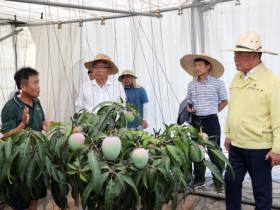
column 253, row 124
column 136, row 95
column 207, row 96
column 99, row 89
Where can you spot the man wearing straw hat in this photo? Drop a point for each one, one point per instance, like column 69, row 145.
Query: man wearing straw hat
column 136, row 95
column 100, row 89
column 253, row 124
column 206, row 96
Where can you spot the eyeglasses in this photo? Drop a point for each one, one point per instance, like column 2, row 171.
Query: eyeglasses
column 89, row 72
column 101, row 67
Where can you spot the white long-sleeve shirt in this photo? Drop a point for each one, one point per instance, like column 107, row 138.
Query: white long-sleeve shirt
column 91, row 94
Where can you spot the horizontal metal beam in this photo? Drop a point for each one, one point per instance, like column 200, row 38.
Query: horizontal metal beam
column 76, row 6
column 181, row 7
column 194, row 4
column 15, row 32
column 211, row 4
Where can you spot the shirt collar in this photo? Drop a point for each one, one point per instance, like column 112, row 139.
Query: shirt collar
column 128, row 86
column 207, row 78
column 249, row 73
column 20, row 103
column 93, row 82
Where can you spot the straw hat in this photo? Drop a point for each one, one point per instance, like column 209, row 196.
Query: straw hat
column 126, row 72
column 187, row 63
column 250, row 41
column 102, row 57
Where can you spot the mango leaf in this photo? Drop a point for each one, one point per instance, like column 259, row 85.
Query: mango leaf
column 210, row 144
column 95, row 167
column 182, row 146
column 144, row 177
column 138, row 177
column 60, row 144
column 42, row 153
column 83, row 177
column 72, row 166
column 71, row 172
column 130, row 182
column 24, row 157
column 3, row 173
column 105, row 121
column 5, row 167
column 215, row 171
column 59, row 197
column 121, row 180
column 53, row 173
column 159, row 197
column 20, row 136
column 218, row 155
column 8, row 148
column 109, row 195
column 164, row 172
column 153, row 141
column 48, row 165
column 176, row 154
column 86, row 193
column 30, row 174
column 102, row 180
column 165, row 159
column 151, row 172
column 175, row 199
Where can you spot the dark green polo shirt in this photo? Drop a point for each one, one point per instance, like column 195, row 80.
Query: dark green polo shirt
column 12, row 114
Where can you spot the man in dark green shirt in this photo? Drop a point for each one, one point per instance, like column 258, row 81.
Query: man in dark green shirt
column 24, row 110
column 13, row 111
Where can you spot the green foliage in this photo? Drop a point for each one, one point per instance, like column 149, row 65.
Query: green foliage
column 30, row 157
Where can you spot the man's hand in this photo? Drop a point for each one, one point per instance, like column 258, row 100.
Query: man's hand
column 46, row 125
column 191, row 110
column 25, row 116
column 227, row 143
column 144, row 124
column 22, row 125
column 272, row 158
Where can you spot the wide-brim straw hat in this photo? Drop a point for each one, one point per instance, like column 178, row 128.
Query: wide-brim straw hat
column 126, row 72
column 250, row 41
column 102, row 57
column 187, row 63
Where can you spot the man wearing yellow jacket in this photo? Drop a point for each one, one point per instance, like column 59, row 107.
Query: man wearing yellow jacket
column 253, row 124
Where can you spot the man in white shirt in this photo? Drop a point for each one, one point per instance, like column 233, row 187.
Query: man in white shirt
column 100, row 89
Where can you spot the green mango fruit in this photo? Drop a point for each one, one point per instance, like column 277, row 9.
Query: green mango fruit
column 140, row 157
column 111, row 147
column 129, row 116
column 76, row 140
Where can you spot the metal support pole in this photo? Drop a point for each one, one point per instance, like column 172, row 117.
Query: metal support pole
column 14, row 32
column 76, row 6
column 15, row 39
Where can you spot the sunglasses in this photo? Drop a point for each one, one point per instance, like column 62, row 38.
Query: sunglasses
column 89, row 72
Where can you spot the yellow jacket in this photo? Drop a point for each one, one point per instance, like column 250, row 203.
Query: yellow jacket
column 253, row 120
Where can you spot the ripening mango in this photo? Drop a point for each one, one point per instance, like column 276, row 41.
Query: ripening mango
column 76, row 140
column 111, row 147
column 129, row 116
column 140, row 157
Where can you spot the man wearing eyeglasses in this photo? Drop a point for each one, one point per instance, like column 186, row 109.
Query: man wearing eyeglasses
column 100, row 88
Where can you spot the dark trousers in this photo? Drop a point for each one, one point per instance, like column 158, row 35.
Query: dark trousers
column 253, row 161
column 212, row 127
